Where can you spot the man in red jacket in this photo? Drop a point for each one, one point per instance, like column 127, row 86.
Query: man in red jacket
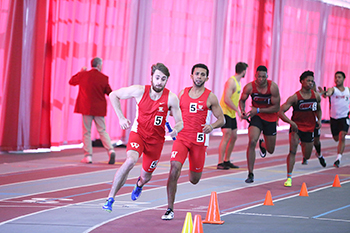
column 91, row 103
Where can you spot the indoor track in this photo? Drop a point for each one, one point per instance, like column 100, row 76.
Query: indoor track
column 54, row 192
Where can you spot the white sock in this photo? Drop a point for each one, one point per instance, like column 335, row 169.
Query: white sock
column 339, row 157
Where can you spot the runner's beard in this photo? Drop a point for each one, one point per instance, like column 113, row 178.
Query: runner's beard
column 157, row 89
column 198, row 84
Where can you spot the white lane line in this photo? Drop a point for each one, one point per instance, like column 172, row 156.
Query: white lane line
column 333, row 219
column 273, row 215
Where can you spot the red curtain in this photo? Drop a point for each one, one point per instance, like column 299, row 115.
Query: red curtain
column 25, row 102
column 44, row 42
column 82, row 30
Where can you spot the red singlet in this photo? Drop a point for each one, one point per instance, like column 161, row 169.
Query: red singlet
column 304, row 112
column 263, row 101
column 194, row 115
column 151, row 116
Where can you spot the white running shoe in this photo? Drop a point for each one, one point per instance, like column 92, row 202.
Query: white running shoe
column 87, row 159
column 169, row 214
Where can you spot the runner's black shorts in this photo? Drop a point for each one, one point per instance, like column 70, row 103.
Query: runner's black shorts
column 268, row 128
column 230, row 123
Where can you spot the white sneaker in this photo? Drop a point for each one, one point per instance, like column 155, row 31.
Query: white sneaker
column 87, row 159
column 169, row 214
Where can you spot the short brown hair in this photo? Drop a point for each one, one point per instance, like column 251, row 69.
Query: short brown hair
column 161, row 67
column 240, row 67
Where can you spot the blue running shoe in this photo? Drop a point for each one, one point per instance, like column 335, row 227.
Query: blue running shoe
column 108, row 205
column 136, row 192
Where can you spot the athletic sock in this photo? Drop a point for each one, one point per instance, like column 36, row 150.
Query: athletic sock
column 318, row 150
column 339, row 157
column 289, row 175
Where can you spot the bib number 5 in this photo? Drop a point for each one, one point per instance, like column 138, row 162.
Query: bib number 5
column 193, row 107
column 158, row 120
column 200, row 137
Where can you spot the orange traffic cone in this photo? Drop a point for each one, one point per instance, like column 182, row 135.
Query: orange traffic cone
column 188, row 225
column 303, row 191
column 197, row 226
column 213, row 214
column 268, row 199
column 336, row 182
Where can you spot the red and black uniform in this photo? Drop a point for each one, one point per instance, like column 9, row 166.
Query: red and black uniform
column 191, row 139
column 263, row 101
column 304, row 115
column 148, row 130
column 266, row 122
column 304, row 112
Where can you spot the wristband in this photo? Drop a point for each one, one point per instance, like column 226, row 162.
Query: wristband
column 211, row 127
column 257, row 110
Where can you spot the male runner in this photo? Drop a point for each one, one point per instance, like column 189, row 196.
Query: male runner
column 339, row 111
column 148, row 130
column 229, row 104
column 195, row 103
column 306, row 106
column 263, row 116
column 317, row 141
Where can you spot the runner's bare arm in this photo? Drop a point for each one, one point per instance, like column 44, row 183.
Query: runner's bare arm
column 275, row 100
column 230, row 88
column 284, row 108
column 245, row 94
column 326, row 93
column 135, row 91
column 319, row 110
column 173, row 104
column 214, row 106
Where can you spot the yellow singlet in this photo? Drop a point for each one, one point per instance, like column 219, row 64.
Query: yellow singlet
column 235, row 99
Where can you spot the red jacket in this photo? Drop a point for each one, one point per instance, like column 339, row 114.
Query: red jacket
column 93, row 86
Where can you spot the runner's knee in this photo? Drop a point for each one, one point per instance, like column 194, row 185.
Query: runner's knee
column 270, row 149
column 252, row 143
column 174, row 173
column 195, row 177
column 194, row 180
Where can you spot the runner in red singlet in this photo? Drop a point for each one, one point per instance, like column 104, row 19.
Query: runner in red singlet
column 263, row 116
column 317, row 141
column 148, row 130
column 192, row 141
column 306, row 106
